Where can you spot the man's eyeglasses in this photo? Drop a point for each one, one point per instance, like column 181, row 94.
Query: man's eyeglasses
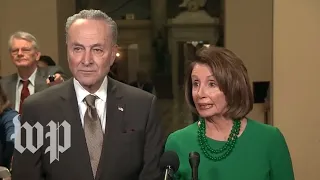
column 22, row 50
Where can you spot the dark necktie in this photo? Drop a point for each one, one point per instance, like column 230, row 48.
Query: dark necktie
column 93, row 132
column 24, row 93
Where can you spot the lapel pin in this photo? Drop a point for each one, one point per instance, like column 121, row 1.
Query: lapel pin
column 120, row 109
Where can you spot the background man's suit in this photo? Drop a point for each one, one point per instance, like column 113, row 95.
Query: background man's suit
column 133, row 141
column 9, row 83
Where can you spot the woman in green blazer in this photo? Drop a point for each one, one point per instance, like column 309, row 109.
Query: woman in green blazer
column 231, row 146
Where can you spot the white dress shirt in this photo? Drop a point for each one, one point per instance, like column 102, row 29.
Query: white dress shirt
column 19, row 86
column 100, row 102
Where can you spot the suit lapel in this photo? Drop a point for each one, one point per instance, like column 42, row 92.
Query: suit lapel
column 69, row 105
column 115, row 114
column 40, row 81
column 70, row 109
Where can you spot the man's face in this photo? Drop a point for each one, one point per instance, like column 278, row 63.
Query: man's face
column 23, row 54
column 91, row 51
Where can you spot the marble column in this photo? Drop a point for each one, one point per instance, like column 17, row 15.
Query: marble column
column 158, row 15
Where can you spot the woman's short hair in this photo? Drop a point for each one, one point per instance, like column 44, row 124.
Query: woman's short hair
column 231, row 76
column 4, row 102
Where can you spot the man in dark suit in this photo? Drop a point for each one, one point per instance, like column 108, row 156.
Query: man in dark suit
column 29, row 79
column 10, row 83
column 115, row 131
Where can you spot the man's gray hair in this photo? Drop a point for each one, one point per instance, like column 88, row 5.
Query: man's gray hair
column 94, row 15
column 25, row 36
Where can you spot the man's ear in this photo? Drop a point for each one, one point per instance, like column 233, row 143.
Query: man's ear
column 38, row 54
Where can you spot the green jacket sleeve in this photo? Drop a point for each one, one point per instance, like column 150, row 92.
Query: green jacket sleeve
column 171, row 144
column 280, row 160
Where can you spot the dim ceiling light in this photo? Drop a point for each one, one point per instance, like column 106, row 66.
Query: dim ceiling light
column 118, row 54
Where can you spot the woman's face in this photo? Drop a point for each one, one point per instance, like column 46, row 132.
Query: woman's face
column 209, row 100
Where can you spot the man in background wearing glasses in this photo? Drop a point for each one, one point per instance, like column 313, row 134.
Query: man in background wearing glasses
column 30, row 78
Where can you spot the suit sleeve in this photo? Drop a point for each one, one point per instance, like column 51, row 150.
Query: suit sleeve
column 27, row 165
column 280, row 160
column 171, row 144
column 154, row 146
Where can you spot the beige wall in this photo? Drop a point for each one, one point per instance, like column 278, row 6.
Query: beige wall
column 1, row 29
column 65, row 9
column 37, row 17
column 40, row 18
column 248, row 32
column 296, row 64
column 293, row 52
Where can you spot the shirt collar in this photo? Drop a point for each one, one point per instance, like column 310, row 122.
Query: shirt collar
column 31, row 79
column 81, row 93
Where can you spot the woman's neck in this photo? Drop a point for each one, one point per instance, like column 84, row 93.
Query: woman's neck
column 219, row 124
column 218, row 128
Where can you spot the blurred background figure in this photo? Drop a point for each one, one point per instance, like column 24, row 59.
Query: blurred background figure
column 7, row 114
column 46, row 61
column 143, row 83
